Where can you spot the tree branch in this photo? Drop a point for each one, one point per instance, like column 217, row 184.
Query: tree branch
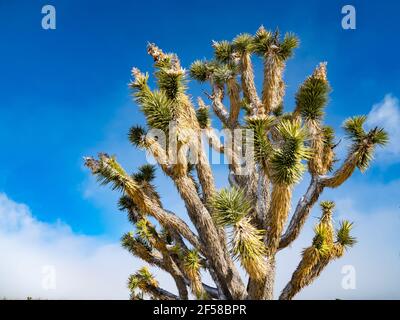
column 314, row 190
column 343, row 173
column 210, row 236
column 301, row 213
column 204, row 173
column 234, row 98
column 218, row 106
column 248, row 85
column 170, row 220
column 159, row 293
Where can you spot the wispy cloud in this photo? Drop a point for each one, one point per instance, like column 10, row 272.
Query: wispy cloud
column 32, row 252
column 386, row 114
column 374, row 209
column 90, row 268
column 375, row 259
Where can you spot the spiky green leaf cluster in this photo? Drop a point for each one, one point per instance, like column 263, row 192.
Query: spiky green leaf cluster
column 378, row 136
column 312, row 98
column 131, row 243
column 354, row 129
column 223, row 73
column 139, row 83
column 137, row 135
column 220, row 73
column 145, row 273
column 363, row 142
column 242, row 43
column 163, row 60
column 261, row 41
column 230, row 206
column 203, row 117
column 155, row 105
column 262, row 146
column 202, row 70
column 287, row 46
column 365, row 156
column 343, row 234
column 158, row 109
column 146, row 173
column 230, row 209
column 133, row 282
column 321, row 235
column 141, row 279
column 109, row 171
column 328, row 134
column 326, row 217
column 327, row 205
column 225, row 65
column 278, row 111
column 125, row 203
column 145, row 230
column 192, row 261
column 247, row 246
column 171, row 82
column 266, row 42
column 158, row 105
column 170, row 76
column 223, row 51
column 286, row 161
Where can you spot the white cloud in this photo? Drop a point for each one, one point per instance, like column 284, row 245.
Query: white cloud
column 85, row 267
column 386, row 114
column 89, row 268
column 376, row 256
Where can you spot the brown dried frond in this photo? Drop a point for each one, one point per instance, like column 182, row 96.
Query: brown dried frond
column 344, row 172
column 248, row 247
column 277, row 216
column 302, row 273
column 328, row 159
column 316, row 162
column 273, row 86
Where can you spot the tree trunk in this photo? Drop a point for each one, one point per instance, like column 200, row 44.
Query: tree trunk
column 263, row 289
column 224, row 268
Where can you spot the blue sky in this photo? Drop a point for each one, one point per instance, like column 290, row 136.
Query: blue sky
column 64, row 92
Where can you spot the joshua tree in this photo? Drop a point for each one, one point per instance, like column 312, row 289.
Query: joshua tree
column 248, row 221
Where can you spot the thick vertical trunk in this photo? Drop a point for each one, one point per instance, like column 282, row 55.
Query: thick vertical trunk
column 270, row 282
column 222, row 265
column 263, row 289
column 181, row 286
